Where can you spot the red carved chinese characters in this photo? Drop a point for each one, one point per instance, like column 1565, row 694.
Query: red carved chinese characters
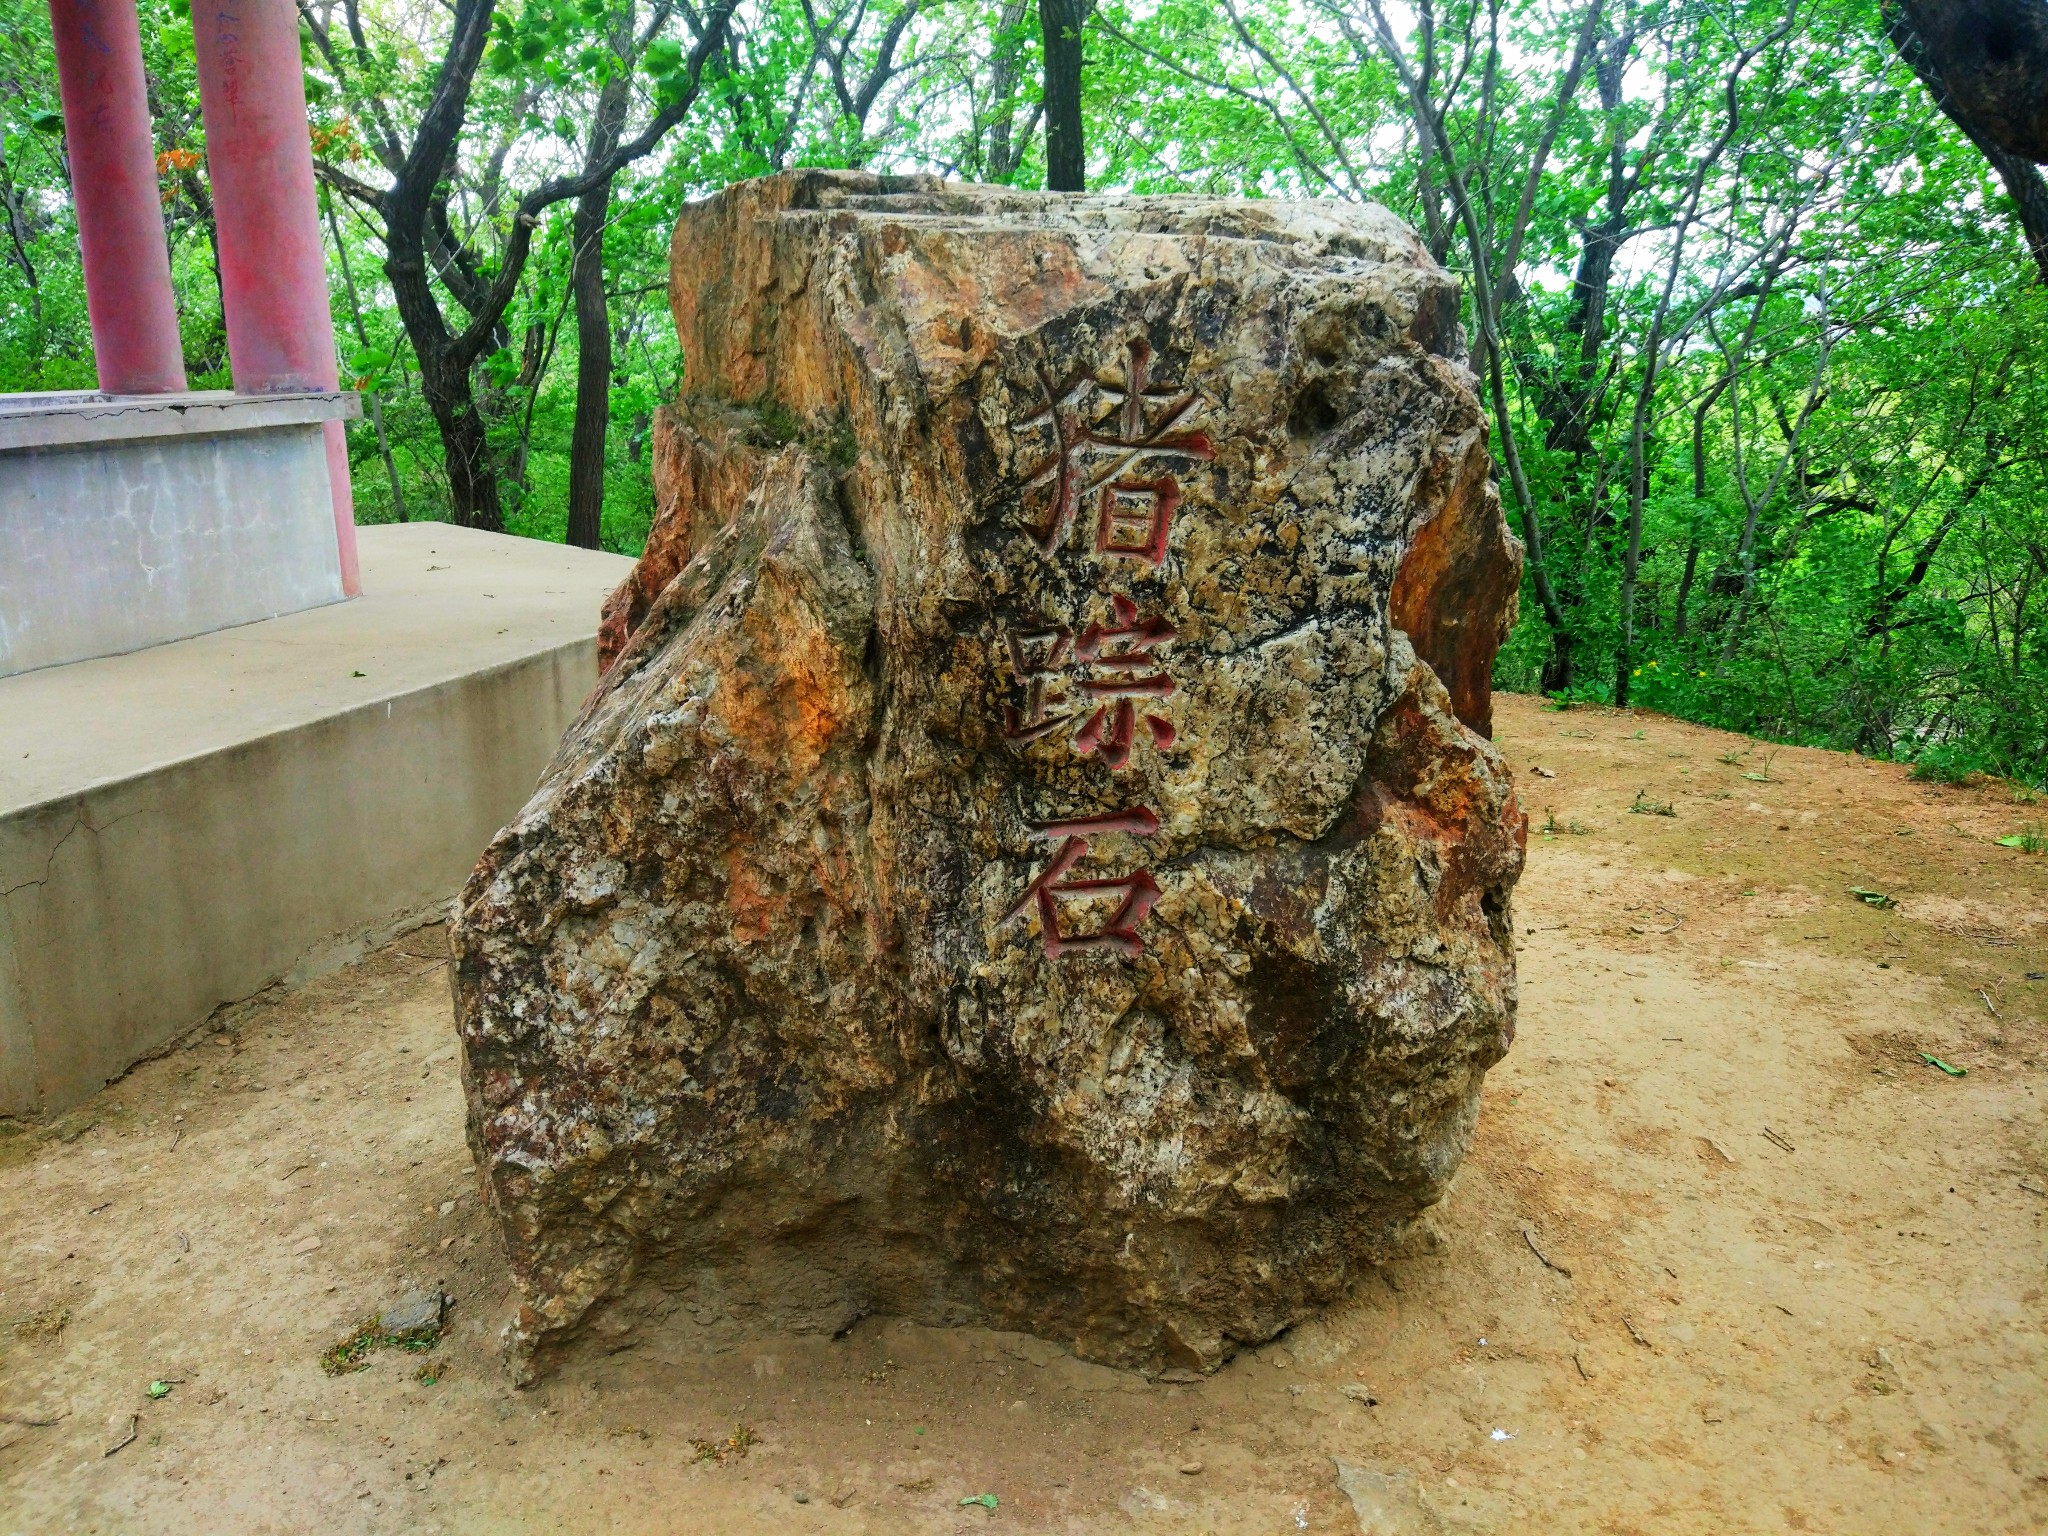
column 1099, row 682
column 1133, row 513
column 1120, row 934
column 1110, row 667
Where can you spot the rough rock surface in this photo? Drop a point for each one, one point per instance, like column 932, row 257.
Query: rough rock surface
column 1015, row 866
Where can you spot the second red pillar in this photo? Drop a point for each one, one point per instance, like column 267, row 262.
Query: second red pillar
column 273, row 265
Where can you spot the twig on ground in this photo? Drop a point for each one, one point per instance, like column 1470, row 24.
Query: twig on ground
column 1548, row 1263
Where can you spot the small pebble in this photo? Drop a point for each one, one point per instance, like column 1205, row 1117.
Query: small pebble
column 1190, row 1468
column 803, row 1498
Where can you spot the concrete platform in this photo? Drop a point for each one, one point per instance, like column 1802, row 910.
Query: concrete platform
column 182, row 826
column 130, row 521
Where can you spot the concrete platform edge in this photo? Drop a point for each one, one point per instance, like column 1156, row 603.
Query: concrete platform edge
column 203, row 881
column 384, row 704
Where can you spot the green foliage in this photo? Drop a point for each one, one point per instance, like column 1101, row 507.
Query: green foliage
column 1946, row 762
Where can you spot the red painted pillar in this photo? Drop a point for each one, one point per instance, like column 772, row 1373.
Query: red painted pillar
column 273, row 267
column 114, row 188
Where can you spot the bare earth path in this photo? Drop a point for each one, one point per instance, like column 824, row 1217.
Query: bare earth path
column 1728, row 1255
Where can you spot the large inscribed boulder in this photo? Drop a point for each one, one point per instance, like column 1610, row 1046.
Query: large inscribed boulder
column 1034, row 855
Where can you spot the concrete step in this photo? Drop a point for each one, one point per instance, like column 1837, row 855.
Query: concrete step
column 185, row 825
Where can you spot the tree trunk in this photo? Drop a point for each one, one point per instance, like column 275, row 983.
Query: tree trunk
column 444, row 381
column 1005, row 144
column 1699, row 494
column 202, row 204
column 1569, row 409
column 1066, row 160
column 17, row 232
column 1559, row 672
column 593, row 326
column 1685, row 581
column 2029, row 191
column 1983, row 62
column 472, row 477
column 355, row 309
column 1568, row 404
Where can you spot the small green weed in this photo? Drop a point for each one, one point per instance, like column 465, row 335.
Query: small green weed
column 2033, row 839
column 1942, row 765
column 733, row 1447
column 840, row 446
column 1643, row 805
column 352, row 1352
column 779, row 424
column 1763, row 776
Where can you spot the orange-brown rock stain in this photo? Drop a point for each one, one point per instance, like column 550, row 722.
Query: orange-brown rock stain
column 1454, row 596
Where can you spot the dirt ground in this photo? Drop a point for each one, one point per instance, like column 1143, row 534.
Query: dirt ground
column 1729, row 1254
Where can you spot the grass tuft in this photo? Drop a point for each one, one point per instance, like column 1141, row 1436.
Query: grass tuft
column 352, row 1352
column 1942, row 765
column 733, row 1447
column 2033, row 839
